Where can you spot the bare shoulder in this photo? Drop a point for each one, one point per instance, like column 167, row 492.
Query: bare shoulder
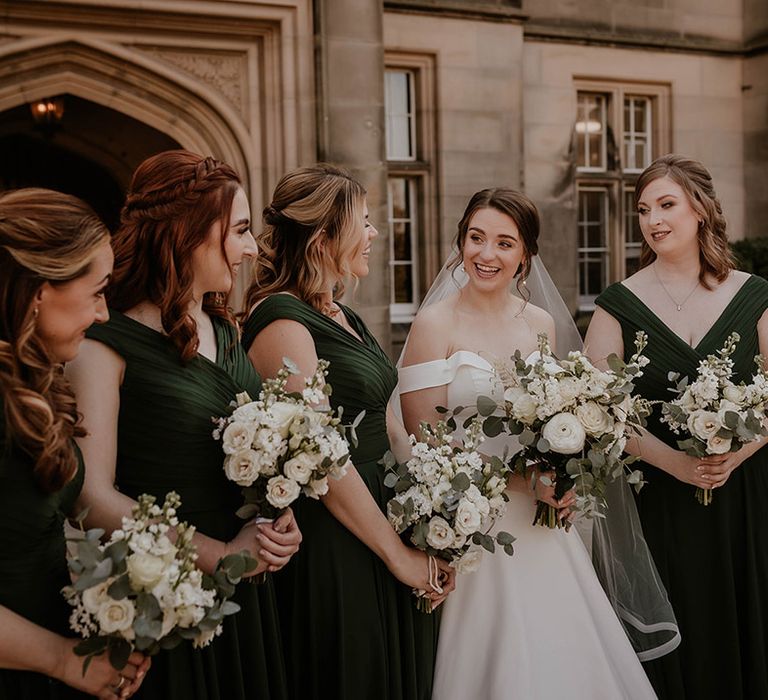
column 430, row 334
column 639, row 281
column 537, row 316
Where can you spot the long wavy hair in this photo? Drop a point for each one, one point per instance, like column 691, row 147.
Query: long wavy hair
column 517, row 207
column 311, row 231
column 715, row 254
column 45, row 237
column 174, row 200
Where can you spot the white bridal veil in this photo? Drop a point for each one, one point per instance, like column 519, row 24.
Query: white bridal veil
column 619, row 551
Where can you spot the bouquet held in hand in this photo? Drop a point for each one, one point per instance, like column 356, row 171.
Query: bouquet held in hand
column 142, row 591
column 447, row 498
column 572, row 420
column 284, row 443
column 715, row 414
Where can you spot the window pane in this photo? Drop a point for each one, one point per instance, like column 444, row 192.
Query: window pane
column 593, row 243
column 637, row 133
column 633, row 236
column 399, row 107
column 403, row 284
column 398, row 197
column 402, row 240
column 591, row 128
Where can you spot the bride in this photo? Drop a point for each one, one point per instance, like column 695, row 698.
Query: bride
column 537, row 625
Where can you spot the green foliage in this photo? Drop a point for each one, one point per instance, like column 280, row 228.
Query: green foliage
column 752, row 255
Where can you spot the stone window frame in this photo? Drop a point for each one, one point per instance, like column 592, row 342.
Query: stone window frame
column 422, row 172
column 614, row 177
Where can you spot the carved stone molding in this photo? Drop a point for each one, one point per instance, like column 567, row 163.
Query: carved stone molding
column 225, row 71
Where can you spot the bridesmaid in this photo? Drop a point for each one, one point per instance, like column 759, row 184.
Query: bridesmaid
column 148, row 383
column 350, row 625
column 713, row 560
column 55, row 262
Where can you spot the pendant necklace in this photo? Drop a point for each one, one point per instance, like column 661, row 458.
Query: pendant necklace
column 678, row 305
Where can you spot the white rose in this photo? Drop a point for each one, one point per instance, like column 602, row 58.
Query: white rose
column 704, row 424
column 594, row 418
column 564, row 433
column 281, row 492
column 94, row 596
column 469, row 562
column 468, row 518
column 237, row 437
column 524, row 408
column 242, row 467
column 116, row 616
column 300, row 468
column 717, row 445
column 317, row 487
column 440, row 535
column 735, row 393
column 282, row 414
column 569, row 388
column 145, row 570
column 513, row 393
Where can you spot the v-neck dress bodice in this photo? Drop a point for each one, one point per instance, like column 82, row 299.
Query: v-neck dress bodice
column 351, row 630
column 713, row 560
column 164, row 443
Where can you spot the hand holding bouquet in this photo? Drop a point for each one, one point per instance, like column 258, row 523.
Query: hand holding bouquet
column 571, row 418
column 142, row 591
column 717, row 415
column 447, row 498
column 284, row 443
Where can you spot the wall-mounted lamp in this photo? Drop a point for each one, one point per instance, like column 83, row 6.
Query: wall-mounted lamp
column 48, row 112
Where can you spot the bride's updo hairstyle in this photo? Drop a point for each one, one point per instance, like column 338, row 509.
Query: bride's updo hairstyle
column 312, row 230
column 518, row 208
column 714, row 252
column 174, row 200
column 45, row 236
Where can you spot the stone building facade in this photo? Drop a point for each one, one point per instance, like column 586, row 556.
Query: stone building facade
column 426, row 101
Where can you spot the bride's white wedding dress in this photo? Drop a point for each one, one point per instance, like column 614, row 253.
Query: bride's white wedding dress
column 536, row 625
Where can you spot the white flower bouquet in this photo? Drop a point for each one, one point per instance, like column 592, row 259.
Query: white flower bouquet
column 571, row 418
column 717, row 415
column 447, row 498
column 142, row 591
column 284, row 443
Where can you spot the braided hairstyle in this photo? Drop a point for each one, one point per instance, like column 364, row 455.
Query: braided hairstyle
column 45, row 237
column 174, row 201
column 311, row 230
column 715, row 255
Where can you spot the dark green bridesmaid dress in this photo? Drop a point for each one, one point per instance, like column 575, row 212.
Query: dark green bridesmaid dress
column 351, row 630
column 165, row 443
column 714, row 559
column 33, row 566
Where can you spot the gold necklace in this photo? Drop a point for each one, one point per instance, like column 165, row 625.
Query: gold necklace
column 679, row 305
column 331, row 309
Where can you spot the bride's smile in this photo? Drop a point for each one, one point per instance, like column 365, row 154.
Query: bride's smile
column 493, row 250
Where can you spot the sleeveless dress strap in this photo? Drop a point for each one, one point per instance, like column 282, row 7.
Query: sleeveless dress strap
column 438, row 372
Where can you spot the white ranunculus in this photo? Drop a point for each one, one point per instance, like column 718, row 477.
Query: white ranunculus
column 94, row 596
column 564, row 433
column 281, row 491
column 468, row 518
column 524, row 408
column 116, row 616
column 145, row 570
column 440, row 535
column 594, row 418
column 317, row 487
column 735, row 393
column 237, row 437
column 300, row 468
column 718, row 445
column 704, row 424
column 469, row 562
column 282, row 414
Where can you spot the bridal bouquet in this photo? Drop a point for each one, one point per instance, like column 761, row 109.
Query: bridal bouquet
column 717, row 415
column 283, row 444
column 447, row 498
column 141, row 591
column 573, row 419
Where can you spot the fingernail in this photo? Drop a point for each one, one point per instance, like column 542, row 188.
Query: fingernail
column 262, row 552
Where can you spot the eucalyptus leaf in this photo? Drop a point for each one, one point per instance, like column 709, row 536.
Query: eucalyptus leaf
column 119, row 651
column 493, row 425
column 486, row 405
